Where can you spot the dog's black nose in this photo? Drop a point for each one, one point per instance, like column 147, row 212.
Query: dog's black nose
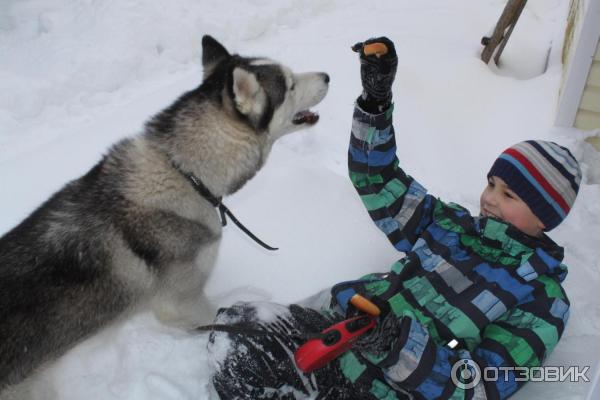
column 326, row 78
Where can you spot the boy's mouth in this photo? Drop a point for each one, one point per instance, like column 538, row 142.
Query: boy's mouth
column 487, row 213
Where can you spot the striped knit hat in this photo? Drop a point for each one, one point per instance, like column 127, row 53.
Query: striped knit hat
column 544, row 175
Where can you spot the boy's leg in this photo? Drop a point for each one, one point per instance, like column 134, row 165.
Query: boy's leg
column 262, row 366
column 254, row 366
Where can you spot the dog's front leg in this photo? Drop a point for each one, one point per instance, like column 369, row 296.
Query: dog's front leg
column 181, row 301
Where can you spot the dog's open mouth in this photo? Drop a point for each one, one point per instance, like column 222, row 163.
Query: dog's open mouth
column 305, row 117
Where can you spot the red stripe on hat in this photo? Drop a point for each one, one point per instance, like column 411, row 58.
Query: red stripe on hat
column 540, row 178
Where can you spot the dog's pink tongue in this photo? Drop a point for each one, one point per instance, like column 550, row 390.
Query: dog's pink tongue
column 311, row 118
column 306, row 117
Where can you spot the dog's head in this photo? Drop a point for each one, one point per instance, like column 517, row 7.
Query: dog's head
column 264, row 94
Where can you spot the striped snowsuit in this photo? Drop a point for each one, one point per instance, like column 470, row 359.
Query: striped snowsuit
column 480, row 281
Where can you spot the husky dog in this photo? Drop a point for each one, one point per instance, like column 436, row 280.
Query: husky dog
column 134, row 231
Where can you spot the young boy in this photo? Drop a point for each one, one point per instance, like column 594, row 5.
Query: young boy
column 470, row 292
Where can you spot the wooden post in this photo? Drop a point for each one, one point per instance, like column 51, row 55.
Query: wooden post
column 502, row 32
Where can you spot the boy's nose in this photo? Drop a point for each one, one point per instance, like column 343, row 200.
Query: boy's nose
column 489, row 199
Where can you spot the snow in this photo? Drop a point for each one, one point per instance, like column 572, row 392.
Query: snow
column 77, row 75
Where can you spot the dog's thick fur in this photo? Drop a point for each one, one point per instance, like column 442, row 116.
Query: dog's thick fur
column 133, row 232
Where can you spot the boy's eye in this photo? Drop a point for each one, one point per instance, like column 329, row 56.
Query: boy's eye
column 510, row 196
column 490, row 184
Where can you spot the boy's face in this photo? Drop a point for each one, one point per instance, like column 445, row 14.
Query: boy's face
column 498, row 201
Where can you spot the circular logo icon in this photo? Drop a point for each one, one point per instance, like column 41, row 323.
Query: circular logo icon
column 465, row 374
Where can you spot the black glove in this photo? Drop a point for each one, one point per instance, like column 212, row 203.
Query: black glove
column 380, row 341
column 377, row 73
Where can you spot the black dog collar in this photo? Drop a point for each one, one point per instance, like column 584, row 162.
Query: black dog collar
column 218, row 203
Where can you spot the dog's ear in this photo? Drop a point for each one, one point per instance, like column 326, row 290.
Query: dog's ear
column 249, row 96
column 213, row 53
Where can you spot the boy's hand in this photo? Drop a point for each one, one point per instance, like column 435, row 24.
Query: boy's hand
column 377, row 70
column 380, row 341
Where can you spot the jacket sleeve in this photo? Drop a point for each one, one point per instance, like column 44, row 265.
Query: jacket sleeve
column 522, row 337
column 399, row 205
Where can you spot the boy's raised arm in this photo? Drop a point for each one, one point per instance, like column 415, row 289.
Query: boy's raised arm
column 397, row 203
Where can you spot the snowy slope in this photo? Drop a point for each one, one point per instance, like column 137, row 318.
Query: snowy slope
column 77, row 75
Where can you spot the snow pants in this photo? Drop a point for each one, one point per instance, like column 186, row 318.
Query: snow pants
column 261, row 366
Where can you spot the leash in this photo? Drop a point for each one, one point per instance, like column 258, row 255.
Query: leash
column 218, row 203
column 236, row 329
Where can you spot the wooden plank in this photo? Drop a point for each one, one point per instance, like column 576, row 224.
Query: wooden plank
column 587, row 120
column 590, row 101
column 507, row 34
column 494, row 45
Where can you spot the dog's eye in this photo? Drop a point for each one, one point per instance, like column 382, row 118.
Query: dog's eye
column 293, row 86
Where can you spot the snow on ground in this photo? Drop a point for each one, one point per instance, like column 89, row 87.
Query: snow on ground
column 77, row 75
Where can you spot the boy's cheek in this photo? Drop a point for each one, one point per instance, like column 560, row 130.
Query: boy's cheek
column 521, row 219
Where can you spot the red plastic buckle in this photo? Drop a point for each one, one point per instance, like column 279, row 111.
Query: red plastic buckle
column 331, row 343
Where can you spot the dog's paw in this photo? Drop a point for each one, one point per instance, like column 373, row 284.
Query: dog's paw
column 185, row 315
